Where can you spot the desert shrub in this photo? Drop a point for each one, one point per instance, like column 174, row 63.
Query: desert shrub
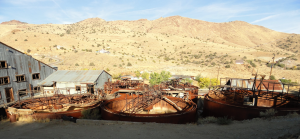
column 116, row 76
column 76, row 64
column 227, row 66
column 91, row 114
column 268, row 113
column 92, row 64
column 272, row 77
column 207, row 120
column 224, row 120
column 294, row 114
column 129, row 64
column 25, row 40
column 285, row 81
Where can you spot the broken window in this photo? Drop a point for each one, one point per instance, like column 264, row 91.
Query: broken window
column 36, row 76
column 22, row 92
column 3, row 64
column 78, row 88
column 20, row 78
column 4, row 80
column 36, row 88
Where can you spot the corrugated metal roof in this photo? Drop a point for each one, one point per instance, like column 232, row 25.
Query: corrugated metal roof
column 82, row 76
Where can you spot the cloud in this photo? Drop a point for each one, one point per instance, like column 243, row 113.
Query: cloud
column 265, row 18
column 22, row 2
column 222, row 10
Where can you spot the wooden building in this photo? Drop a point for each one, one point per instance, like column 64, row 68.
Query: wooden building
column 19, row 72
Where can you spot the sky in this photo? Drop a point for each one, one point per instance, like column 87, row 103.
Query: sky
column 278, row 15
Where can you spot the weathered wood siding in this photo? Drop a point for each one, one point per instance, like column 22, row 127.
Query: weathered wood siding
column 19, row 63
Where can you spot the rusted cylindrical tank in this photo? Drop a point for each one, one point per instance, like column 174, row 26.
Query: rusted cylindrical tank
column 219, row 108
column 161, row 112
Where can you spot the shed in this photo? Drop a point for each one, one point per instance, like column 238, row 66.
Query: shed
column 74, row 81
column 239, row 62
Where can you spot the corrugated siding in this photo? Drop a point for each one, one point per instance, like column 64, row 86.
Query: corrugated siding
column 21, row 64
column 102, row 79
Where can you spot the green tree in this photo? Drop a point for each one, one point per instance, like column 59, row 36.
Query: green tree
column 187, row 80
column 145, row 75
column 157, row 78
column 137, row 73
column 203, row 82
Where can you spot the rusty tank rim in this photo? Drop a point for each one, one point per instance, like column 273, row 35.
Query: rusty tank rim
column 188, row 115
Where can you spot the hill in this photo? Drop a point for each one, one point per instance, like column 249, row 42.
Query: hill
column 178, row 44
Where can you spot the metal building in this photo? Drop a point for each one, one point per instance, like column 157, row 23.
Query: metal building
column 75, row 82
column 19, row 72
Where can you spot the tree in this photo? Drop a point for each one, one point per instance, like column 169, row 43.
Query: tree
column 137, row 73
column 187, row 80
column 203, row 82
column 145, row 75
column 165, row 75
column 157, row 78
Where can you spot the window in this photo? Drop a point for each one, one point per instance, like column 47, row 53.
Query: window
column 4, row 80
column 22, row 92
column 36, row 76
column 36, row 88
column 3, row 64
column 20, row 78
column 78, row 88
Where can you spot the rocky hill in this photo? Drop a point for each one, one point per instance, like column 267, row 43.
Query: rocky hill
column 13, row 22
column 178, row 44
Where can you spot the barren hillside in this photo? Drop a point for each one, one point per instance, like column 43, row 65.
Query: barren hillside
column 176, row 44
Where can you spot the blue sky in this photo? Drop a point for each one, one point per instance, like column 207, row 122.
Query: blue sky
column 279, row 15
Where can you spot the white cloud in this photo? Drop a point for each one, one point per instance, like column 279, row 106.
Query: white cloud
column 265, row 18
column 222, row 10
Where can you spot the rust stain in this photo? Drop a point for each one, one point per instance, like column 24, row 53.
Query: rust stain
column 29, row 67
column 39, row 66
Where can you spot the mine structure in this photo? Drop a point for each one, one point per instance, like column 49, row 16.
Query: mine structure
column 168, row 102
column 241, row 99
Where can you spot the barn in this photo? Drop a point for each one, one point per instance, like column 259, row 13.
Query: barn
column 19, row 72
column 75, row 81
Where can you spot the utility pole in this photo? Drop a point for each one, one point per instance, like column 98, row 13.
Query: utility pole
column 272, row 67
column 218, row 74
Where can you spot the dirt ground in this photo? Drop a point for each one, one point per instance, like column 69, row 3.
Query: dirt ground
column 255, row 128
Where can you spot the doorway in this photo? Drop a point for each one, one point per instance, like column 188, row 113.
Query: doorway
column 90, row 88
column 9, row 95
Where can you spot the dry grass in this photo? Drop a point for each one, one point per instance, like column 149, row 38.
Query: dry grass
column 152, row 39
